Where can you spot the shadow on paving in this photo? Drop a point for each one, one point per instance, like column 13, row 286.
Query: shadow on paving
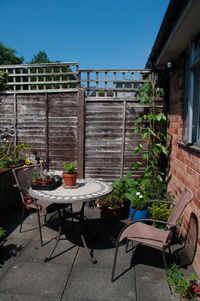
column 69, row 275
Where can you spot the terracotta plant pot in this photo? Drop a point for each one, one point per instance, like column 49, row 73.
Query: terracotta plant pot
column 70, row 179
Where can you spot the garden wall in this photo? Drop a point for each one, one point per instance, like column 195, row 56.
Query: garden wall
column 184, row 160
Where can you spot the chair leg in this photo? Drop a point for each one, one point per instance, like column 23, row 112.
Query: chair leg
column 127, row 244
column 114, row 262
column 40, row 230
column 164, row 259
column 22, row 218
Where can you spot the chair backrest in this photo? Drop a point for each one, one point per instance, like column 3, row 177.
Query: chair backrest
column 183, row 201
column 23, row 177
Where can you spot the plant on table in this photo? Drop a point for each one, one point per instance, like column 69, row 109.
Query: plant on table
column 70, row 168
column 70, row 174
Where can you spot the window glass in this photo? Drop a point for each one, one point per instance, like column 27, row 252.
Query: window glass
column 196, row 106
column 191, row 132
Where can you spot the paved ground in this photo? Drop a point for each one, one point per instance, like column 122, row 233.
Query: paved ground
column 25, row 276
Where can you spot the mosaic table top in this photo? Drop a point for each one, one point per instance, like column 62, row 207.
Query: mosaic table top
column 86, row 190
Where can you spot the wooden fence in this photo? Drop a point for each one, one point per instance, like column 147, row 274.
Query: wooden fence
column 88, row 116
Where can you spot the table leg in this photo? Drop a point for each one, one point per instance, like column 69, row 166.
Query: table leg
column 58, row 236
column 83, row 226
column 81, row 218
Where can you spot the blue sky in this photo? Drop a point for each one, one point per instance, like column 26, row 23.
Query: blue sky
column 97, row 34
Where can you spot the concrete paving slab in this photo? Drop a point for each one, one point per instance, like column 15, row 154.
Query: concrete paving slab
column 69, row 275
column 35, row 279
column 9, row 252
column 9, row 297
column 151, row 279
column 93, row 283
column 65, row 252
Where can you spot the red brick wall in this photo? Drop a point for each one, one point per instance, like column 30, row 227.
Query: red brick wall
column 184, row 162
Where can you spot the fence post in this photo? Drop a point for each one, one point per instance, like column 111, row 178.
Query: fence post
column 80, row 132
column 123, row 138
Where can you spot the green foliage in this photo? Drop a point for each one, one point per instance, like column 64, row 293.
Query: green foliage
column 41, row 57
column 13, row 155
column 153, row 134
column 184, row 288
column 160, row 212
column 122, row 187
column 181, row 287
column 71, row 168
column 2, row 232
column 137, row 197
column 8, row 56
column 3, row 80
column 36, row 175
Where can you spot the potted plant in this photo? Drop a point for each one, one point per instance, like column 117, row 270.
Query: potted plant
column 70, row 175
column 138, row 197
column 36, row 177
column 110, row 207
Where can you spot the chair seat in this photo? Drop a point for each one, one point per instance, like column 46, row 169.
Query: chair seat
column 146, row 234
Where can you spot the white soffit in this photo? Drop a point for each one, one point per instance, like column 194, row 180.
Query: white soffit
column 186, row 29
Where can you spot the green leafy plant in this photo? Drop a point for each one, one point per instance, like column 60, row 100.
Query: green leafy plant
column 189, row 289
column 70, row 168
column 159, row 211
column 13, row 155
column 2, row 232
column 3, row 80
column 121, row 187
column 151, row 126
column 36, row 175
column 137, row 197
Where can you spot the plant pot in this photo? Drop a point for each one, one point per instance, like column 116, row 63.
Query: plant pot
column 110, row 214
column 139, row 214
column 70, row 179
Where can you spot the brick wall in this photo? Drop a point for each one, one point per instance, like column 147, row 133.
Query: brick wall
column 184, row 162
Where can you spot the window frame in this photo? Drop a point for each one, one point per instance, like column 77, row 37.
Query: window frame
column 191, row 64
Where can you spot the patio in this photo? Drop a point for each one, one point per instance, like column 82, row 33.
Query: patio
column 69, row 275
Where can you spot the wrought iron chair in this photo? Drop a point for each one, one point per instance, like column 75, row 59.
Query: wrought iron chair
column 23, row 178
column 149, row 235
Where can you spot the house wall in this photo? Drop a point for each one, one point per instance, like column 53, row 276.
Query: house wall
column 184, row 161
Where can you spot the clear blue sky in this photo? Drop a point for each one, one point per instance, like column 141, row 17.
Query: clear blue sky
column 97, row 34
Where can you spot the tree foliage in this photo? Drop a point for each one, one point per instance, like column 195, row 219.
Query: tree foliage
column 41, row 57
column 8, row 56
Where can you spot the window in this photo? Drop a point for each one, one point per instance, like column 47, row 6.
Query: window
column 192, row 96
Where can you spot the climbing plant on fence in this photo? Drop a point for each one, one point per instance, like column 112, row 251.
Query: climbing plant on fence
column 151, row 125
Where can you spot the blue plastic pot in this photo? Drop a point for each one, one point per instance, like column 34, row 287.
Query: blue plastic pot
column 139, row 214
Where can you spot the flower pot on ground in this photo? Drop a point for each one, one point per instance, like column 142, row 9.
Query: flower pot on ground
column 139, row 214
column 110, row 208
column 110, row 214
column 138, row 198
column 70, row 175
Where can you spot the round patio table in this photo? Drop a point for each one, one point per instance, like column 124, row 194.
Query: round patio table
column 86, row 190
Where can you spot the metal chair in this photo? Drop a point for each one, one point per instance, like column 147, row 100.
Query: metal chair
column 149, row 235
column 23, row 178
